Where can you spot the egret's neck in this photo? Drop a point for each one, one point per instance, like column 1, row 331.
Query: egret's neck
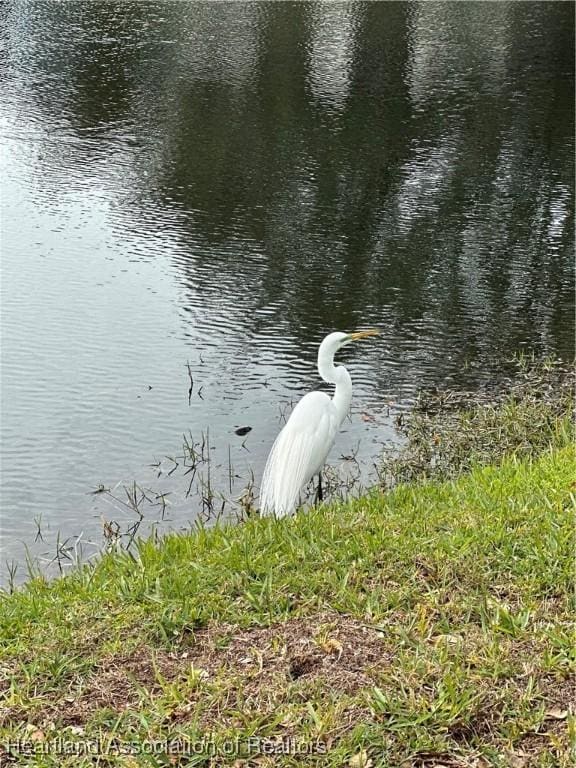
column 338, row 375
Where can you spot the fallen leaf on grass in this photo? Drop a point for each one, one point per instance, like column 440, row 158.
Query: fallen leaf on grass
column 360, row 760
column 556, row 714
column 448, row 639
column 333, row 647
column 517, row 759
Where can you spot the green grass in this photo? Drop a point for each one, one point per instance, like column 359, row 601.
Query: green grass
column 429, row 625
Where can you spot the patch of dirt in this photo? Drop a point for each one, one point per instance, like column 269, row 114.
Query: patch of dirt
column 552, row 737
column 258, row 665
column 444, row 760
column 560, row 694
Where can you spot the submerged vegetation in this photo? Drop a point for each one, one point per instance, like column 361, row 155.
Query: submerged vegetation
column 427, row 625
column 520, row 412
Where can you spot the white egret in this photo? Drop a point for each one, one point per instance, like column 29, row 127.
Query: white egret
column 301, row 448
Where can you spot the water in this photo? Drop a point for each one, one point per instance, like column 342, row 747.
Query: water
column 221, row 184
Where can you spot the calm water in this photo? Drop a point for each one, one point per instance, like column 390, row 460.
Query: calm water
column 221, row 184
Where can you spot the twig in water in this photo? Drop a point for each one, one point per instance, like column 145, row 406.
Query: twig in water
column 38, row 521
column 230, row 471
column 161, row 501
column 101, row 489
column 175, row 467
column 191, row 383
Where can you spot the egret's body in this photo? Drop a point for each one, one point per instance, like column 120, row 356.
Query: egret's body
column 304, row 443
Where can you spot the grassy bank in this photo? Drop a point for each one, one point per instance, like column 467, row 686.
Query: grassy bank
column 430, row 625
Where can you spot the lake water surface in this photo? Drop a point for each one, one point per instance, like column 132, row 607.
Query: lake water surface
column 222, row 184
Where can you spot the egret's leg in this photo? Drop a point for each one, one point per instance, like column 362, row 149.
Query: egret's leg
column 319, row 494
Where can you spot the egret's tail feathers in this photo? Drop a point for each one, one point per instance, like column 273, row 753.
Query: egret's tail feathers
column 287, row 471
column 278, row 496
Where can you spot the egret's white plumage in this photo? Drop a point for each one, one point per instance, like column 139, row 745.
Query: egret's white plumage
column 304, row 443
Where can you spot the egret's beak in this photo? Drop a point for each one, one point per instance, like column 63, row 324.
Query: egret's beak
column 364, row 334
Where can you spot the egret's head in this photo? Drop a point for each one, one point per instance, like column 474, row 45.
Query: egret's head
column 330, row 346
column 334, row 341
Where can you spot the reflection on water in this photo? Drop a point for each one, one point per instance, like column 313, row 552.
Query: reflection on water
column 221, row 184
